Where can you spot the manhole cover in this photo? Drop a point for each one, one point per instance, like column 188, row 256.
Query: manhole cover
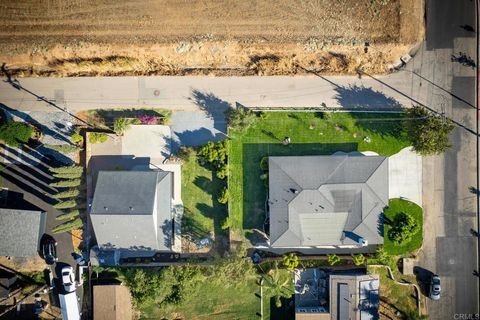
column 156, row 93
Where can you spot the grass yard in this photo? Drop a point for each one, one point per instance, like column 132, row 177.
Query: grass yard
column 215, row 302
column 203, row 214
column 310, row 134
column 395, row 207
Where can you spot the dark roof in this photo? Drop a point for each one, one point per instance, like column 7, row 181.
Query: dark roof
column 7, row 280
column 132, row 210
column 326, row 200
column 20, row 232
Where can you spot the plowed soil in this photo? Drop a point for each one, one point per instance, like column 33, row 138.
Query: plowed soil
column 117, row 37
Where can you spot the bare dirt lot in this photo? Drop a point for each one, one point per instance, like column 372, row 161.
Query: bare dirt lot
column 115, row 37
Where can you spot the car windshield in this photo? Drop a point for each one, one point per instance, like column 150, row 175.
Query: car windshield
column 436, row 281
column 65, row 273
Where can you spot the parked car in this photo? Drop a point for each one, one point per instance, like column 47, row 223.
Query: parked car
column 435, row 287
column 68, row 278
column 49, row 251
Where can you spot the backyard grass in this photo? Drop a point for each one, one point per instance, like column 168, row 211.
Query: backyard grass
column 395, row 206
column 310, row 134
column 203, row 214
column 214, row 301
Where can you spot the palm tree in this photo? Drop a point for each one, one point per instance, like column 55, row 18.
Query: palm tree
column 278, row 284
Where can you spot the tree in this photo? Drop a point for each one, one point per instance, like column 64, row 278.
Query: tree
column 278, row 285
column 71, row 193
column 65, row 204
column 428, row 132
column 240, row 118
column 15, row 133
column 120, row 125
column 66, row 183
column 68, row 215
column 358, row 259
column 403, row 228
column 67, row 169
column 67, row 226
column 333, row 259
column 223, row 196
column 290, row 261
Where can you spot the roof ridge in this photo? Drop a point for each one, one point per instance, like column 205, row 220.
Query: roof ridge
column 373, row 172
column 336, row 169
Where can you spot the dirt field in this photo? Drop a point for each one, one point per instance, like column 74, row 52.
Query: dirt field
column 114, row 37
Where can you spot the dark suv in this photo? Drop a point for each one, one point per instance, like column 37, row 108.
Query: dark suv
column 49, row 251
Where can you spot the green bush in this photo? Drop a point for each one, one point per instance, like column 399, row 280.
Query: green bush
column 428, row 133
column 67, row 194
column 77, row 138
column 67, row 175
column 290, row 261
column 383, row 257
column 67, row 226
column 97, row 137
column 63, row 148
column 333, row 259
column 222, row 171
column 227, row 223
column 223, row 196
column 66, row 204
column 15, row 133
column 66, row 183
column 264, row 164
column 403, row 228
column 214, row 153
column 120, row 125
column 67, row 169
column 358, row 259
column 240, row 118
column 68, row 215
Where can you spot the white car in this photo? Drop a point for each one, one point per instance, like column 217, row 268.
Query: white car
column 68, row 278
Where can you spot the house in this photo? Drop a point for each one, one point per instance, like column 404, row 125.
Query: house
column 326, row 295
column 132, row 212
column 21, row 231
column 111, row 302
column 7, row 283
column 327, row 201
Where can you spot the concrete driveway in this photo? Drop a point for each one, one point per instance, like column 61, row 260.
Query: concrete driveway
column 405, row 176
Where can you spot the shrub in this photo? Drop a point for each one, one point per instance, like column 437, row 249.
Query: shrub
column 358, row 259
column 97, row 137
column 120, row 125
column 67, row 226
column 403, row 228
column 214, row 153
column 222, row 171
column 290, row 261
column 68, row 215
column 63, row 148
column 333, row 259
column 66, row 183
column 223, row 196
column 186, row 153
column 67, row 194
column 227, row 223
column 146, row 119
column 15, row 133
column 77, row 138
column 382, row 256
column 428, row 132
column 74, row 175
column 67, row 169
column 264, row 164
column 66, row 204
column 240, row 118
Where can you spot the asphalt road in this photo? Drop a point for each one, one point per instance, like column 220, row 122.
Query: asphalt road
column 431, row 78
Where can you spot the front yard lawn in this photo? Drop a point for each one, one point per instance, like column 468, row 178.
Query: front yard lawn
column 310, row 134
column 396, row 206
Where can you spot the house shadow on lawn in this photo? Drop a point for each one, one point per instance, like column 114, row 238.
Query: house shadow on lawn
column 254, row 189
column 285, row 312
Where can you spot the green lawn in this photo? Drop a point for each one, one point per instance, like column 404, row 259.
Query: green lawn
column 215, row 302
column 203, row 214
column 395, row 206
column 310, row 134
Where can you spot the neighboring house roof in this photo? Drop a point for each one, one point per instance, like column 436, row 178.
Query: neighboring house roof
column 132, row 210
column 7, row 280
column 21, row 231
column 111, row 302
column 326, row 200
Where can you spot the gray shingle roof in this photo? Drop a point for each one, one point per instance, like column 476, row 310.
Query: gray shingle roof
column 132, row 210
column 326, row 200
column 20, row 232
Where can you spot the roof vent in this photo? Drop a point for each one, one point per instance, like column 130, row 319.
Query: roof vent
column 293, row 190
column 106, row 208
column 363, row 242
column 131, row 208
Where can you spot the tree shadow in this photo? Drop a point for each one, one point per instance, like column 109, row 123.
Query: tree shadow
column 360, row 97
column 194, row 138
column 383, row 124
column 191, row 228
column 214, row 107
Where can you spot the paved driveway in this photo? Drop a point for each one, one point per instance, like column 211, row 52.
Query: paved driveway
column 405, row 176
